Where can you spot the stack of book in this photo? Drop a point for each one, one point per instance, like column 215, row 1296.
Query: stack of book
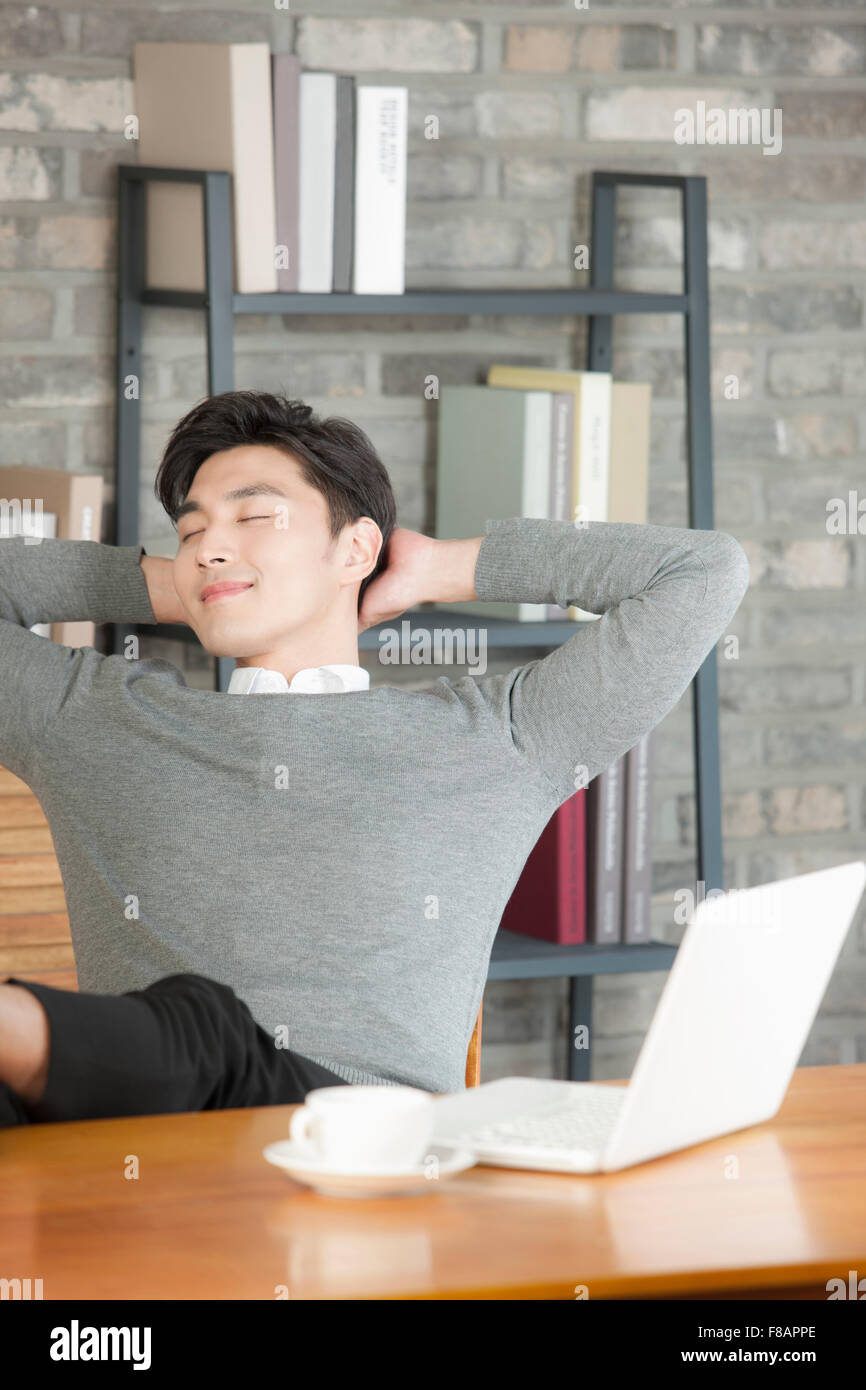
column 567, row 445
column 317, row 164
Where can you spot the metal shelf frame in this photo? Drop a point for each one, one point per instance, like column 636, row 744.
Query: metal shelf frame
column 514, row 956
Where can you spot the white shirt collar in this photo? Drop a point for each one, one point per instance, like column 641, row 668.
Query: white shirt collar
column 313, row 680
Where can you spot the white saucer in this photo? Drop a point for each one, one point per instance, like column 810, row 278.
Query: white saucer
column 372, row 1182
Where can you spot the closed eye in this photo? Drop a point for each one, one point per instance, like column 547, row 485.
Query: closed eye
column 266, row 517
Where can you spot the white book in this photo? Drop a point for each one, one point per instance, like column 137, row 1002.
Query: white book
column 317, row 132
column 380, row 190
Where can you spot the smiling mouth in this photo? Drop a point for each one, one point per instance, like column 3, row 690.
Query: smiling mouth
column 227, row 593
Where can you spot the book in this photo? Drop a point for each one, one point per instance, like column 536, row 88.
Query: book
column 591, row 435
column 628, row 500
column 604, row 834
column 637, row 843
column 344, row 185
column 75, row 500
column 316, row 164
column 493, row 462
column 381, row 115
column 207, row 106
column 285, row 85
column 628, row 486
column 548, row 901
column 561, row 453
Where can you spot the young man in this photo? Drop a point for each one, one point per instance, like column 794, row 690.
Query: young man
column 271, row 894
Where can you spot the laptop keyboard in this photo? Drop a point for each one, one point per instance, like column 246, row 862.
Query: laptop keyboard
column 553, row 1130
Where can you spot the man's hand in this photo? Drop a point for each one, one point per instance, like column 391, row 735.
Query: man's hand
column 401, row 583
column 420, row 569
column 159, row 572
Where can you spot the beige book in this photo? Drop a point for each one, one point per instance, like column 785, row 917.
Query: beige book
column 628, row 485
column 207, row 106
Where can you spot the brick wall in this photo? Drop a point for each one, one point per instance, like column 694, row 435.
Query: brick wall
column 529, row 99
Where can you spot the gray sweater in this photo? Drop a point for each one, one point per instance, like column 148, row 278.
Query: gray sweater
column 341, row 860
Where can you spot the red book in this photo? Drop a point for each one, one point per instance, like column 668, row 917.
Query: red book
column 549, row 898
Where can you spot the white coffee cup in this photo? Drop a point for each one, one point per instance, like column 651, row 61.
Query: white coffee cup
column 361, row 1127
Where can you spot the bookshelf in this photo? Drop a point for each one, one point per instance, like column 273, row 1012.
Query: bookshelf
column 513, row 956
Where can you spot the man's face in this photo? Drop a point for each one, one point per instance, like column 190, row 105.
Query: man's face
column 276, row 543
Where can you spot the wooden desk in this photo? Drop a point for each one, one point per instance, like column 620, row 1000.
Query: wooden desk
column 208, row 1218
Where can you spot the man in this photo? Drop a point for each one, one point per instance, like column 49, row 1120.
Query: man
column 301, row 886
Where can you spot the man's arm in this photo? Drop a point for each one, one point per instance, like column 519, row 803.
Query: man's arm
column 666, row 595
column 56, row 581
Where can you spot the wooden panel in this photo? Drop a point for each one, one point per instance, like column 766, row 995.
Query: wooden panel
column 10, row 785
column 59, row 979
column 57, row 956
column 35, row 942
column 21, row 870
column 36, row 928
column 21, row 810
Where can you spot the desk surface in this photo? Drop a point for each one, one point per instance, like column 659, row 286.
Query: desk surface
column 772, row 1211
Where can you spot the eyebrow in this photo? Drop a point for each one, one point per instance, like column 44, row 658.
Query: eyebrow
column 249, row 490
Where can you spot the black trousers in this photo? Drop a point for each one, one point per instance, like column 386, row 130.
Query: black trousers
column 184, row 1043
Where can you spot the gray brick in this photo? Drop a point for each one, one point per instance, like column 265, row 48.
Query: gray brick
column 30, row 174
column 798, row 245
column 388, row 45
column 435, row 175
column 521, row 1010
column 590, row 48
column 36, row 443
column 823, row 115
column 662, row 367
column 46, row 101
column 658, row 241
column 795, row 438
column 456, row 112
column 69, row 242
column 56, row 381
column 841, row 623
column 854, row 372
column 26, row 313
column 333, row 375
column 501, row 115
column 112, row 33
column 492, row 243
column 33, row 32
column 806, row 372
column 807, row 502
column 805, row 178
column 820, row 51
column 95, row 309
column 404, row 374
column 97, row 176
column 826, row 563
column 817, row 744
column 649, row 113
column 789, row 308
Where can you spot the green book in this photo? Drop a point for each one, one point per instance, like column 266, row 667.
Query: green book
column 494, row 454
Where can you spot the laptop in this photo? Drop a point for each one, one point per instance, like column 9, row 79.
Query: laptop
column 731, row 1023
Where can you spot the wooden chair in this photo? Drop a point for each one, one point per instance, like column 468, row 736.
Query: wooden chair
column 473, row 1056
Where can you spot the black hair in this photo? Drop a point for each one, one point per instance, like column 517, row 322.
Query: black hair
column 334, row 456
